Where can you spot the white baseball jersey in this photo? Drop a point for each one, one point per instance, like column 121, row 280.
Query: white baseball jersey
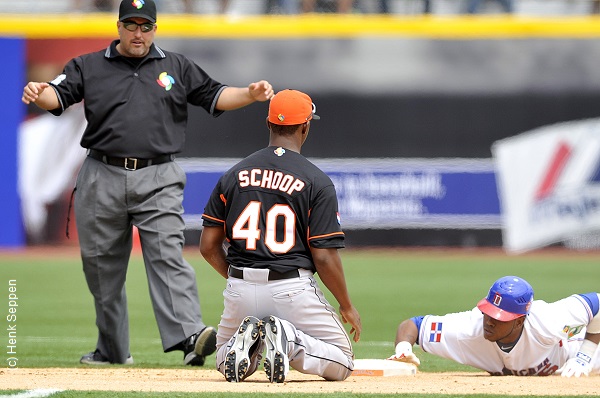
column 552, row 333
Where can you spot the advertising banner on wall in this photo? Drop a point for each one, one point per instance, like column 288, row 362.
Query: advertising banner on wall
column 383, row 193
column 549, row 184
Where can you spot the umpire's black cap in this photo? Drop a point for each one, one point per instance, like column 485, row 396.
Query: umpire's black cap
column 137, row 8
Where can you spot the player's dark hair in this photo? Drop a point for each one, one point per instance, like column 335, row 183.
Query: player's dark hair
column 283, row 130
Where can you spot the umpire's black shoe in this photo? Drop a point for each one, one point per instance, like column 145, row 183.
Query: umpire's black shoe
column 96, row 358
column 198, row 346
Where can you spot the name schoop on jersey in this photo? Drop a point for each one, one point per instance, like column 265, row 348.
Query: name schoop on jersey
column 270, row 179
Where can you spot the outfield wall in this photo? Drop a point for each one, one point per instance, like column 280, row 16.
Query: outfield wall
column 12, row 68
column 414, row 87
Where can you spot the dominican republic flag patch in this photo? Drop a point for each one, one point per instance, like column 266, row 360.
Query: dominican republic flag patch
column 435, row 334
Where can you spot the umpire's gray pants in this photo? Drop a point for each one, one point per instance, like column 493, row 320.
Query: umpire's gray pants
column 108, row 201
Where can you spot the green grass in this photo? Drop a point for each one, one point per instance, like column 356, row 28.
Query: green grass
column 55, row 316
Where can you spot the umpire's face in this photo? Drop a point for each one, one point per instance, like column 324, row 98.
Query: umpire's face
column 137, row 35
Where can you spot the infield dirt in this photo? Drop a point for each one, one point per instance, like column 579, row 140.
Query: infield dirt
column 186, row 380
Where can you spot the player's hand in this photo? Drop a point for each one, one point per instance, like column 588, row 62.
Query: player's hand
column 404, row 353
column 576, row 367
column 351, row 316
column 261, row 91
column 32, row 91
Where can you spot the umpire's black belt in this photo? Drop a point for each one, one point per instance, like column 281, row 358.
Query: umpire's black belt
column 129, row 163
column 273, row 275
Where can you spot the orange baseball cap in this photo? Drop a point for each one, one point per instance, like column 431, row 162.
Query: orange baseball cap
column 289, row 107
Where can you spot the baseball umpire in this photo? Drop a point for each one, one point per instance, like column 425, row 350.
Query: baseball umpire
column 136, row 105
column 509, row 333
column 279, row 214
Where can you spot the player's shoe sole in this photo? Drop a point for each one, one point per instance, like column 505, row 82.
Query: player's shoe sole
column 277, row 363
column 237, row 361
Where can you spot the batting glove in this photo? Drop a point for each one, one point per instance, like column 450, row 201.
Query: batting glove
column 404, row 353
column 580, row 364
column 576, row 367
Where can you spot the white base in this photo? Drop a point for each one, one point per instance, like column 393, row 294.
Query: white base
column 382, row 367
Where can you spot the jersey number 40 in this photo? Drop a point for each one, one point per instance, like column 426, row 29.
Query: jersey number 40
column 247, row 227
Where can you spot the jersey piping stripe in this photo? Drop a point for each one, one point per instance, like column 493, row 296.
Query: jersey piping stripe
column 161, row 52
column 586, row 306
column 62, row 105
column 213, row 218
column 326, row 235
column 213, row 106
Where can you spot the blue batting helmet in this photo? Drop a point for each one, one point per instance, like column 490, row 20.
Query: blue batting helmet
column 509, row 298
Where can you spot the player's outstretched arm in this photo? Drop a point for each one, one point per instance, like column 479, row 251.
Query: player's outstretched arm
column 329, row 267
column 582, row 363
column 406, row 337
column 211, row 247
column 407, row 331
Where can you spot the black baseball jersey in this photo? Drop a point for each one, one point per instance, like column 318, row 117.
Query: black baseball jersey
column 135, row 107
column 273, row 205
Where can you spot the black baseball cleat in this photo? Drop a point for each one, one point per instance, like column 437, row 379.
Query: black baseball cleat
column 241, row 360
column 198, row 346
column 96, row 358
column 277, row 363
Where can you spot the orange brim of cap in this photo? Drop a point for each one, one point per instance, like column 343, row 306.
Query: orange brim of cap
column 498, row 314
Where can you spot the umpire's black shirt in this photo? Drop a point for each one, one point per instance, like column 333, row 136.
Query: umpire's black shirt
column 135, row 107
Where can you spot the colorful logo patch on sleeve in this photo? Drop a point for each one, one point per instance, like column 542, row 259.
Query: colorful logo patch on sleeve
column 166, row 81
column 435, row 334
column 339, row 219
column 571, row 331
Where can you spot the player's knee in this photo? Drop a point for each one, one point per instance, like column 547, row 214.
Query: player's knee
column 337, row 373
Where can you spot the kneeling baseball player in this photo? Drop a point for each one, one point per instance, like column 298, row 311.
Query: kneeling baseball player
column 279, row 215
